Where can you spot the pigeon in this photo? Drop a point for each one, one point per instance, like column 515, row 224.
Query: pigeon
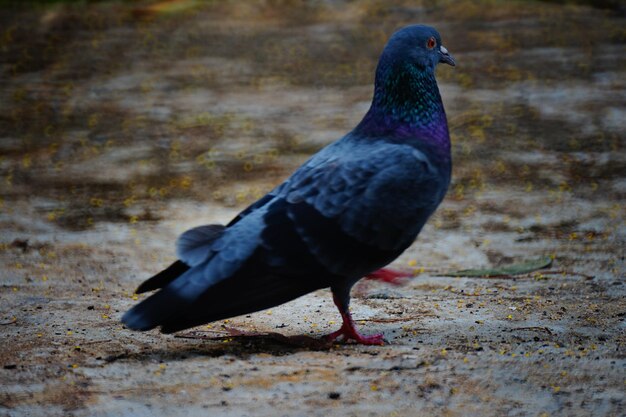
column 348, row 211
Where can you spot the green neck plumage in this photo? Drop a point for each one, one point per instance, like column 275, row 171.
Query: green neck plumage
column 406, row 102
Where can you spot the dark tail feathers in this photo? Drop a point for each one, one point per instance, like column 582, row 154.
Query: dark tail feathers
column 232, row 297
column 163, row 278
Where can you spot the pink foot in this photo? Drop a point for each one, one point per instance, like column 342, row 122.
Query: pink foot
column 352, row 334
column 349, row 331
column 390, row 276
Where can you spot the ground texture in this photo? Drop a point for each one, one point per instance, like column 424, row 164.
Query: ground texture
column 122, row 124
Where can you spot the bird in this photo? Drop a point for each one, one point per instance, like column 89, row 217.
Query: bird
column 347, row 212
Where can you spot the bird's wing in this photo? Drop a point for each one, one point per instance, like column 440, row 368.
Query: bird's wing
column 257, row 204
column 225, row 256
column 195, row 245
column 376, row 197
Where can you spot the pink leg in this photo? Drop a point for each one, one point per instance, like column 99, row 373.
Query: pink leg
column 349, row 331
column 390, row 276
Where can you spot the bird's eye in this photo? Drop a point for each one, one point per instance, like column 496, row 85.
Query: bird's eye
column 430, row 44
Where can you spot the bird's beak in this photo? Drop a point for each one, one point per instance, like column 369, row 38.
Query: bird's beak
column 445, row 57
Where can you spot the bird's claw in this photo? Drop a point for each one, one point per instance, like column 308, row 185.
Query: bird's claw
column 375, row 339
column 352, row 334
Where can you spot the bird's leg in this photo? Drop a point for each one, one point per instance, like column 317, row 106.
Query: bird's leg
column 348, row 329
column 391, row 276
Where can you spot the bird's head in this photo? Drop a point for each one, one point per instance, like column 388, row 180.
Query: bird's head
column 406, row 97
column 417, row 45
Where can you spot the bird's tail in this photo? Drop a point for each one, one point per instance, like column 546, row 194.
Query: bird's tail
column 163, row 278
column 237, row 295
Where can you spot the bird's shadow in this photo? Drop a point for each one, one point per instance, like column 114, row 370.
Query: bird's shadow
column 238, row 345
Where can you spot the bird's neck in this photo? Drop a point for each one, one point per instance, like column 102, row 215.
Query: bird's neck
column 407, row 106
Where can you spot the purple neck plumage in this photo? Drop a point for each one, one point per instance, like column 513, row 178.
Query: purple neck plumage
column 407, row 107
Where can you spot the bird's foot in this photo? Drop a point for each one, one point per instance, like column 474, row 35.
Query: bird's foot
column 349, row 332
column 390, row 276
column 376, row 339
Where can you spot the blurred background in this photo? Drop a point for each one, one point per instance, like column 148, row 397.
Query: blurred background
column 110, row 110
column 123, row 123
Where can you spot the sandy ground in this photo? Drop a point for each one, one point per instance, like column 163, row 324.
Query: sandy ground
column 123, row 125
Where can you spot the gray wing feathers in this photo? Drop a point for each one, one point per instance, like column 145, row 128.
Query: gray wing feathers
column 194, row 246
column 375, row 199
column 225, row 255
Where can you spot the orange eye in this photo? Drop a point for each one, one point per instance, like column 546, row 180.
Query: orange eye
column 431, row 43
